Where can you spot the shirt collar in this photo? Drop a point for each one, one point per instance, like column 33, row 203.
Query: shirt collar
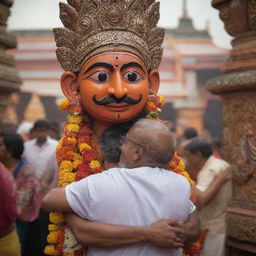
column 46, row 142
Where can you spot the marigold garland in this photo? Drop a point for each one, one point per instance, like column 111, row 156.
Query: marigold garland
column 78, row 157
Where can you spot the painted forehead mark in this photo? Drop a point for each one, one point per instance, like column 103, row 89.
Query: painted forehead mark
column 117, row 62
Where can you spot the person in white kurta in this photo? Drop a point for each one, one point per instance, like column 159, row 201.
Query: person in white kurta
column 212, row 216
column 132, row 197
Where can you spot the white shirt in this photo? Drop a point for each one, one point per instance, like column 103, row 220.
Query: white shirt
column 42, row 159
column 212, row 216
column 132, row 197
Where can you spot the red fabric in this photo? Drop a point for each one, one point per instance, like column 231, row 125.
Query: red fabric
column 7, row 198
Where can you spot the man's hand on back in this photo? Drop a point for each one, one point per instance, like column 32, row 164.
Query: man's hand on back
column 165, row 233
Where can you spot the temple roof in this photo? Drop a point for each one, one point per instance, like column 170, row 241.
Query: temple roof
column 186, row 28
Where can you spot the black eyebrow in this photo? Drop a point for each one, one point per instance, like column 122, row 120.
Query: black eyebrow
column 131, row 64
column 100, row 64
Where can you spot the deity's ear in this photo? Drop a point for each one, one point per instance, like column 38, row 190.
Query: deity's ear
column 154, row 81
column 69, row 85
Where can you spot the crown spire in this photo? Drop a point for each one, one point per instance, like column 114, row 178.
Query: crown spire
column 185, row 10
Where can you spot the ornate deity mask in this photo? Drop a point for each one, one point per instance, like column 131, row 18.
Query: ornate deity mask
column 115, row 47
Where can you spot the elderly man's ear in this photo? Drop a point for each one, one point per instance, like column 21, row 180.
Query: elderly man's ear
column 138, row 154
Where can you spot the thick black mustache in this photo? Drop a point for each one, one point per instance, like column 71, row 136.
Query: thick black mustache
column 113, row 99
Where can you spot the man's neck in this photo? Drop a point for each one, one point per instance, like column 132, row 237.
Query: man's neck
column 40, row 143
column 11, row 164
column 201, row 164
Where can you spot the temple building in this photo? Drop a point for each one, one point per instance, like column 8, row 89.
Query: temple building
column 190, row 58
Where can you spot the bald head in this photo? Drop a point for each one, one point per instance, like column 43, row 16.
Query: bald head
column 157, row 140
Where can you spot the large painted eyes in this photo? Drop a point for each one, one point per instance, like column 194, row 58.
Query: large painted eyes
column 100, row 77
column 132, row 76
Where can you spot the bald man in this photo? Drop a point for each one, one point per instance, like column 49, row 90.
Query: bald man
column 138, row 193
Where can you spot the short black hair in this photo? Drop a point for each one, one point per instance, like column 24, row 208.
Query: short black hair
column 109, row 141
column 190, row 133
column 199, row 145
column 216, row 143
column 13, row 143
column 41, row 124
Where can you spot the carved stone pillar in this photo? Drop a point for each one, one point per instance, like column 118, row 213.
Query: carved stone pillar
column 237, row 87
column 9, row 79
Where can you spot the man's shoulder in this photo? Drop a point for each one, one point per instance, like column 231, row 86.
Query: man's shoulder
column 52, row 141
column 217, row 163
column 30, row 143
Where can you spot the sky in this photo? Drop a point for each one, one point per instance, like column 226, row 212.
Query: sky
column 43, row 14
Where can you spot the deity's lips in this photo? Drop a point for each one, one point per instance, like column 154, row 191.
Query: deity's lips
column 117, row 107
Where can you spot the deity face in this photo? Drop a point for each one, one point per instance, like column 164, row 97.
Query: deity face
column 113, row 86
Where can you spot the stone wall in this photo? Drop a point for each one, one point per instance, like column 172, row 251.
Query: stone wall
column 9, row 79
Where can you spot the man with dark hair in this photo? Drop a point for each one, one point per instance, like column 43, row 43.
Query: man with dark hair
column 198, row 153
column 40, row 153
column 109, row 143
column 189, row 133
column 138, row 194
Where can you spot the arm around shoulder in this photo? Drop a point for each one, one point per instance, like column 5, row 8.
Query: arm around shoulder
column 55, row 200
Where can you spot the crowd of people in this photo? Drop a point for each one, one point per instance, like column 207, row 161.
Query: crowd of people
column 30, row 160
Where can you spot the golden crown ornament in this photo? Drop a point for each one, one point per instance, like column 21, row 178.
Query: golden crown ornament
column 95, row 26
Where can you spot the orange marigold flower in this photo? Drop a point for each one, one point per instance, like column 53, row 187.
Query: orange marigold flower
column 76, row 163
column 64, row 105
column 52, row 237
column 78, row 157
column 50, row 250
column 71, row 140
column 66, row 165
column 56, row 218
column 83, row 146
column 53, row 227
column 151, row 106
column 71, row 177
column 162, row 100
column 95, row 164
column 73, row 128
column 181, row 164
column 75, row 119
column 63, row 184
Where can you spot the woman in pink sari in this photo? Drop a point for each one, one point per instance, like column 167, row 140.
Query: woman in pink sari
column 27, row 187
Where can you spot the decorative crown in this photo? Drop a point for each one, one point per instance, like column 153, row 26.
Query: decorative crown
column 95, row 26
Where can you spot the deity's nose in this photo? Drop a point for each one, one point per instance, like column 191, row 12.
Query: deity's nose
column 118, row 88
